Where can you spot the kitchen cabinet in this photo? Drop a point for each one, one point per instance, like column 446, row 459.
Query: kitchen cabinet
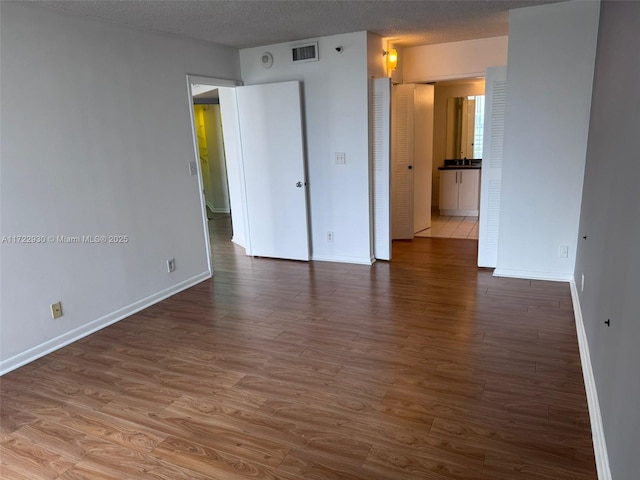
column 460, row 192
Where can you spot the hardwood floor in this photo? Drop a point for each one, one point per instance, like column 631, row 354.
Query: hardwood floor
column 421, row 368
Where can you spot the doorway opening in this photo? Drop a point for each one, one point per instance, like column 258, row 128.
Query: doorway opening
column 214, row 162
column 211, row 153
column 260, row 146
column 454, row 132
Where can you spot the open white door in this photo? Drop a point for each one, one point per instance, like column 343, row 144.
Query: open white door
column 274, row 170
column 423, row 156
column 235, row 175
column 402, row 153
column 491, row 181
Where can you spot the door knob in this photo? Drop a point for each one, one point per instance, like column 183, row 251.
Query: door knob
column 299, row 184
column 410, row 167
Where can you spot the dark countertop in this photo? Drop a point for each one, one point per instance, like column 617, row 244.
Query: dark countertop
column 461, row 164
column 460, row 167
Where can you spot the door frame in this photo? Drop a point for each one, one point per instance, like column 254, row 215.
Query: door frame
column 214, row 82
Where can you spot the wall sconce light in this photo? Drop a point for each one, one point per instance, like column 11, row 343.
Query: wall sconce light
column 392, row 59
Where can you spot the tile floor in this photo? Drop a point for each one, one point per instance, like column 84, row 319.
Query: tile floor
column 451, row 227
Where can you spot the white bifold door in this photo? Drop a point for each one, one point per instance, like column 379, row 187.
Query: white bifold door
column 411, row 158
column 380, row 148
column 492, row 154
column 402, row 160
column 274, row 170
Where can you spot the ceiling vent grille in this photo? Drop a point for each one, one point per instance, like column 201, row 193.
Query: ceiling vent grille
column 305, row 53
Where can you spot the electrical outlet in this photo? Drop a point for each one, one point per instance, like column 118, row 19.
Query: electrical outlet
column 341, row 158
column 171, row 265
column 329, row 236
column 563, row 251
column 56, row 310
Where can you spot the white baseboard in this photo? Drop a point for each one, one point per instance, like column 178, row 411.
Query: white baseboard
column 595, row 417
column 238, row 241
column 218, row 209
column 529, row 275
column 87, row 329
column 597, row 429
column 343, row 259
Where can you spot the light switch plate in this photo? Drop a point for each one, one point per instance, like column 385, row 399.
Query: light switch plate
column 193, row 168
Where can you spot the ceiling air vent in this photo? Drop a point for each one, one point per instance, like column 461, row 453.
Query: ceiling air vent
column 305, row 53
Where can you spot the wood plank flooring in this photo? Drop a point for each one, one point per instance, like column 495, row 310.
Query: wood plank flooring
column 421, row 368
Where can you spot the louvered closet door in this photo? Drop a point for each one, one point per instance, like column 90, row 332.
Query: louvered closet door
column 491, row 180
column 379, row 121
column 402, row 150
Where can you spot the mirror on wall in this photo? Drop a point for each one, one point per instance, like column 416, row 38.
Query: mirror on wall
column 465, row 126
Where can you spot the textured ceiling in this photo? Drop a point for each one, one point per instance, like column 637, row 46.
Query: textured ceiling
column 249, row 23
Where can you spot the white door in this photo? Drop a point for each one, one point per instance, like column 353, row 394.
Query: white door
column 423, row 156
column 380, row 116
column 402, row 150
column 233, row 156
column 491, row 177
column 274, row 170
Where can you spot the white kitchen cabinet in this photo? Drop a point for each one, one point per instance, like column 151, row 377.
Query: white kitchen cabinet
column 460, row 192
column 448, row 191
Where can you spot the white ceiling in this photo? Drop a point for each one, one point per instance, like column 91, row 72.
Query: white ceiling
column 249, row 23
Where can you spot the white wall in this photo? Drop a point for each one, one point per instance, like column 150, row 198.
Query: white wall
column 335, row 104
column 550, row 72
column 469, row 58
column 609, row 257
column 96, row 140
column 376, row 62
